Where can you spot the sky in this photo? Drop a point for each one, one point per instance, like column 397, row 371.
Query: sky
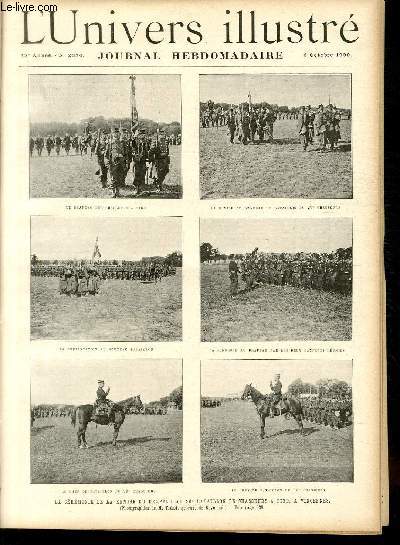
column 282, row 89
column 119, row 238
column 225, row 377
column 71, row 98
column 277, row 235
column 75, row 383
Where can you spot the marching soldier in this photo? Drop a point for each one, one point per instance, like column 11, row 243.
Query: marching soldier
column 49, row 144
column 67, row 143
column 58, row 143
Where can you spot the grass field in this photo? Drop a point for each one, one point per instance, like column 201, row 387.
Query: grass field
column 232, row 450
column 149, row 449
column 74, row 176
column 123, row 310
column 270, row 313
column 281, row 169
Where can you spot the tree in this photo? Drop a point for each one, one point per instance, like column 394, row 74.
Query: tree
column 176, row 396
column 174, row 259
column 34, row 259
column 206, row 252
column 296, row 387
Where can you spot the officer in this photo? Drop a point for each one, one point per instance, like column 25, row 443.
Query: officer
column 231, row 122
column 101, row 151
column 140, row 147
column 102, row 402
column 117, row 163
column 276, row 388
column 303, row 127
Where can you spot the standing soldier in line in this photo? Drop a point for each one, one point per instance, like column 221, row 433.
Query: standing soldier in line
column 159, row 157
column 58, row 142
column 140, row 156
column 234, row 276
column 231, row 122
column 75, row 143
column 31, row 145
column 320, row 127
column 39, row 143
column 303, row 127
column 117, row 163
column 49, row 144
column 101, row 154
column 311, row 117
column 245, row 127
column 67, row 143
column 253, row 124
column 270, row 120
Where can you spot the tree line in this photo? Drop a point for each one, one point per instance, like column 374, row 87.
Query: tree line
column 174, row 259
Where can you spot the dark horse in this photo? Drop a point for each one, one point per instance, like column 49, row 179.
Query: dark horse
column 289, row 406
column 85, row 414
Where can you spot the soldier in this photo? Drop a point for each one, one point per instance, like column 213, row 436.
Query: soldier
column 320, row 128
column 159, row 157
column 140, row 150
column 231, row 122
column 101, row 152
column 303, row 127
column 234, row 276
column 67, row 143
column 39, row 143
column 117, row 163
column 58, row 143
column 31, row 145
column 270, row 120
column 276, row 387
column 311, row 117
column 245, row 127
column 102, row 404
column 75, row 143
column 253, row 124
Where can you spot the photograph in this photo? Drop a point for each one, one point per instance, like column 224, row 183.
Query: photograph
column 106, row 421
column 106, row 279
column 105, row 136
column 276, row 421
column 276, row 279
column 275, row 136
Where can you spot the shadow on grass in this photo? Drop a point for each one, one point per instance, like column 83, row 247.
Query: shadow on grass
column 133, row 441
column 36, row 431
column 306, row 432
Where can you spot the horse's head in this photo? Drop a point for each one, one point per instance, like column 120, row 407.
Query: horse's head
column 247, row 391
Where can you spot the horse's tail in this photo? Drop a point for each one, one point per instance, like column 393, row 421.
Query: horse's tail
column 73, row 418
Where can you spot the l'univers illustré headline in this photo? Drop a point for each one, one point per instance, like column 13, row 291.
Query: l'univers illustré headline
column 239, row 27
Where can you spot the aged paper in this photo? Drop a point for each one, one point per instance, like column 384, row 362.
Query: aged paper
column 192, row 266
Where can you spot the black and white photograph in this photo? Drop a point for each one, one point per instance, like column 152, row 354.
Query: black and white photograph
column 105, row 136
column 102, row 421
column 276, row 420
column 276, row 279
column 275, row 136
column 106, row 279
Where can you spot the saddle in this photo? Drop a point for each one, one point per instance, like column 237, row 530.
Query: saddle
column 102, row 409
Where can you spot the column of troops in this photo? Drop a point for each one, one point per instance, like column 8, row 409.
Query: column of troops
column 49, row 411
column 117, row 151
column 251, row 124
column 336, row 413
column 328, row 272
column 208, row 403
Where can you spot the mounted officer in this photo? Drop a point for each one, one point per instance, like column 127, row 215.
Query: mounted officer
column 102, row 405
column 276, row 388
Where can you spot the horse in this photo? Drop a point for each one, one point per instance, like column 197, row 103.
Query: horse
column 291, row 407
column 85, row 414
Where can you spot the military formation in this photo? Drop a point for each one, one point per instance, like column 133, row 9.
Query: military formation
column 248, row 124
column 208, row 403
column 117, row 152
column 324, row 271
column 86, row 279
column 336, row 413
column 52, row 411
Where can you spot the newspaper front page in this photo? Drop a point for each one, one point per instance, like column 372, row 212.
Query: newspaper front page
column 192, row 266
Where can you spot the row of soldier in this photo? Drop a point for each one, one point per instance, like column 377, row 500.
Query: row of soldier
column 329, row 272
column 329, row 412
column 150, row 271
column 251, row 124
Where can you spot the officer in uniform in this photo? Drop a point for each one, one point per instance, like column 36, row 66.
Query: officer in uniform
column 276, row 387
column 140, row 149
column 117, row 163
column 303, row 127
column 102, row 402
column 231, row 122
column 101, row 151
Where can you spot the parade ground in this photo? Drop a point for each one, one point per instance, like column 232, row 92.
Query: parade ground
column 73, row 176
column 278, row 170
column 123, row 310
column 270, row 312
column 149, row 449
column 232, row 450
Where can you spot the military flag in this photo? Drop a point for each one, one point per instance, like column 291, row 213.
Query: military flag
column 96, row 250
column 134, row 112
